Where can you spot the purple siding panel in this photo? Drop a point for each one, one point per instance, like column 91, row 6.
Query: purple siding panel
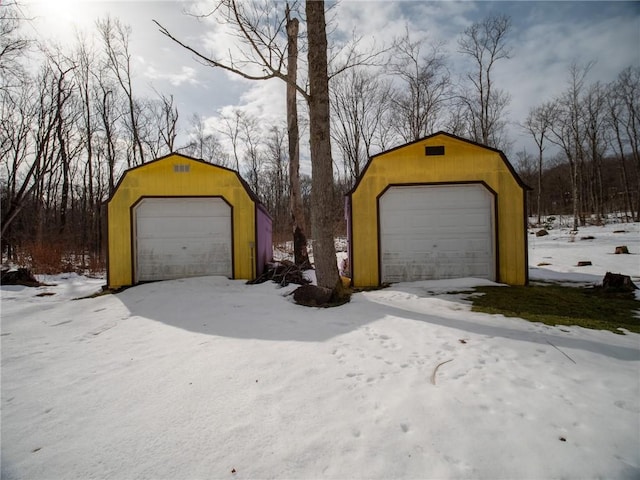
column 347, row 216
column 264, row 248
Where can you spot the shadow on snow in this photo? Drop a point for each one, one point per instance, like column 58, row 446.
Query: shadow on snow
column 230, row 308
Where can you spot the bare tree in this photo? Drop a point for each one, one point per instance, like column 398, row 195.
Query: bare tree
column 26, row 144
column 567, row 131
column 204, row 144
column 485, row 43
column 158, row 124
column 347, row 98
column 424, row 88
column 525, row 165
column 167, row 120
column 456, row 119
column 85, row 62
column 106, row 103
column 63, row 94
column 12, row 45
column 247, row 144
column 538, row 124
column 252, row 140
column 18, row 112
column 232, row 128
column 361, row 108
column 596, row 143
column 275, row 179
column 115, row 37
column 623, row 108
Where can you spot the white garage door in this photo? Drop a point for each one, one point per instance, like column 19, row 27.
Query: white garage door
column 436, row 232
column 182, row 237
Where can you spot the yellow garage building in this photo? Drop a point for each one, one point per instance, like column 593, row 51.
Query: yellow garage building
column 441, row 207
column 177, row 217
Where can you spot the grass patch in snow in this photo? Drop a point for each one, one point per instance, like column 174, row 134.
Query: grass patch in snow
column 587, row 307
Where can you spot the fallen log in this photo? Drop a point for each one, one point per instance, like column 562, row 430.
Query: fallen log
column 21, row 276
column 282, row 273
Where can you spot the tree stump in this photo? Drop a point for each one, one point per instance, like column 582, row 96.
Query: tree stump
column 313, row 296
column 622, row 249
column 584, row 263
column 615, row 282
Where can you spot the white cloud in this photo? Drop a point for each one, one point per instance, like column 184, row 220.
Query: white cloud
column 186, row 75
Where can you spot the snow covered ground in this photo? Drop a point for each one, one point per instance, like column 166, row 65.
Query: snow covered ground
column 212, row 378
column 556, row 255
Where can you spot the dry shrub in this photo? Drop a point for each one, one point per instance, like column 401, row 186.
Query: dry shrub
column 51, row 258
column 96, row 264
column 46, row 258
column 281, row 238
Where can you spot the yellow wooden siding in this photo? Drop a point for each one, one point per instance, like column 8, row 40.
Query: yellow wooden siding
column 462, row 162
column 158, row 178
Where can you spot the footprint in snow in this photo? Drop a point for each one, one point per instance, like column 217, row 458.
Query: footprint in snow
column 626, row 406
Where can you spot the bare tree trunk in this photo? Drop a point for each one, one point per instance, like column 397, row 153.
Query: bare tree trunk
column 628, row 204
column 105, row 108
column 84, row 86
column 300, row 254
column 320, row 144
column 63, row 158
column 539, row 193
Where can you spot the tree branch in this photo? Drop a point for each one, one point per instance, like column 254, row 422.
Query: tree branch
column 271, row 72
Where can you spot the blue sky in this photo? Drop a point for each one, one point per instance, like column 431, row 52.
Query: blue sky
column 545, row 39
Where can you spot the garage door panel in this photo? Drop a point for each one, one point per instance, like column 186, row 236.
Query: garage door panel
column 179, row 206
column 185, row 213
column 182, row 227
column 429, row 232
column 186, row 249
column 183, row 237
column 156, row 271
column 162, row 268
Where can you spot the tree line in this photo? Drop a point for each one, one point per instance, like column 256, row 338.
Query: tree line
column 74, row 122
column 71, row 123
column 596, row 129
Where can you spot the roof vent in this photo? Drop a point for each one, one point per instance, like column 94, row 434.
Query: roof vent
column 181, row 168
column 437, row 150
